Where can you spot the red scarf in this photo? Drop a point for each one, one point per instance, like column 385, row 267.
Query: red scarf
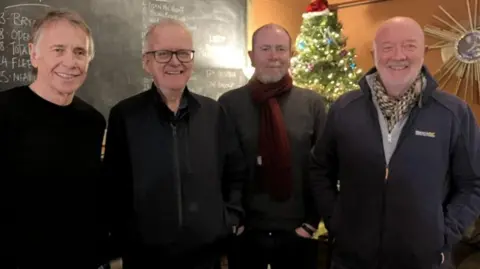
column 273, row 144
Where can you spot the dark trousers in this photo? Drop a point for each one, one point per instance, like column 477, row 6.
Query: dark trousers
column 205, row 257
column 447, row 264
column 282, row 250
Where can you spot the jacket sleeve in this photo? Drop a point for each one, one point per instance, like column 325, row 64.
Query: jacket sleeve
column 463, row 207
column 323, row 170
column 234, row 170
column 312, row 217
column 117, row 174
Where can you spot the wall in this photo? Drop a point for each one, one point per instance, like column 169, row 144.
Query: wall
column 360, row 22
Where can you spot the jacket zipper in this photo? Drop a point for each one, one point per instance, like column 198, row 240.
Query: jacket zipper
column 374, row 113
column 178, row 179
column 413, row 113
column 383, row 213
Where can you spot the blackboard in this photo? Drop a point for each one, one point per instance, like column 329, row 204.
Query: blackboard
column 118, row 26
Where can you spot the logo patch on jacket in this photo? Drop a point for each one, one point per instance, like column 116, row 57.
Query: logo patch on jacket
column 426, row 134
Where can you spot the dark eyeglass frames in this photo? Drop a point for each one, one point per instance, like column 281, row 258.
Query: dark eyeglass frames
column 165, row 56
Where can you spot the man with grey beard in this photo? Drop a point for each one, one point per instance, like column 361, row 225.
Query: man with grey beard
column 277, row 124
column 407, row 157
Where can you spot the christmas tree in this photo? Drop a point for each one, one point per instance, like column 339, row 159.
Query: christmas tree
column 322, row 62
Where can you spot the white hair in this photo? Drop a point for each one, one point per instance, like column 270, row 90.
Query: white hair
column 161, row 23
column 58, row 15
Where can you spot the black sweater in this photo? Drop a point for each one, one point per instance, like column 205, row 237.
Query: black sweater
column 49, row 162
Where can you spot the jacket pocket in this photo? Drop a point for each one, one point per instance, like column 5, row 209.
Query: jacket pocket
column 441, row 237
column 335, row 219
column 441, row 227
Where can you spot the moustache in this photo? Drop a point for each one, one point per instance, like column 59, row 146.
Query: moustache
column 275, row 64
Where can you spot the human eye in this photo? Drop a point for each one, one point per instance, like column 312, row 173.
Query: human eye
column 265, row 48
column 163, row 54
column 184, row 54
column 81, row 52
column 387, row 48
column 58, row 50
column 410, row 46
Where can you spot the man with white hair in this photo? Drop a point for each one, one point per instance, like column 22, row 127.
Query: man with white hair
column 174, row 164
column 50, row 155
column 407, row 157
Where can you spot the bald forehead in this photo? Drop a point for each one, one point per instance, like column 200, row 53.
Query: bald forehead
column 399, row 28
column 271, row 29
column 167, row 27
column 168, row 34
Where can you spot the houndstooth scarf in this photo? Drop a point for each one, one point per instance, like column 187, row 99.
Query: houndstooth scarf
column 394, row 109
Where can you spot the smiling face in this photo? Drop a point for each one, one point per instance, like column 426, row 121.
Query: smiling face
column 399, row 51
column 271, row 54
column 172, row 75
column 61, row 57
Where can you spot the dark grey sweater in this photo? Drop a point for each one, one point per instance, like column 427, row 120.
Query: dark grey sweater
column 304, row 114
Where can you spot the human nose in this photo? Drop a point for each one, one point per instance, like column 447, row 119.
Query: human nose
column 273, row 54
column 69, row 59
column 399, row 54
column 174, row 60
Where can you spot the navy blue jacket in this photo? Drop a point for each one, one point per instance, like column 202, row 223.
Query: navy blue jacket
column 404, row 215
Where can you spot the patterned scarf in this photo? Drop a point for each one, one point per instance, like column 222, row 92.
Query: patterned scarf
column 394, row 109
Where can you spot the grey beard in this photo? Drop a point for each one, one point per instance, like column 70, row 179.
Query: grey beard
column 265, row 79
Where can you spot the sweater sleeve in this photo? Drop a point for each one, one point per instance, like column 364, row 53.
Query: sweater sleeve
column 464, row 206
column 117, row 173
column 6, row 210
column 312, row 217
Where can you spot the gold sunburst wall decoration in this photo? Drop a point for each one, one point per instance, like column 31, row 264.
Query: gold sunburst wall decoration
column 459, row 42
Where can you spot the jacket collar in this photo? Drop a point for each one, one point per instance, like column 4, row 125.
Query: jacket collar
column 188, row 104
column 431, row 86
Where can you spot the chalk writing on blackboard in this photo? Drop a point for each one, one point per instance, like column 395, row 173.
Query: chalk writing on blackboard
column 16, row 22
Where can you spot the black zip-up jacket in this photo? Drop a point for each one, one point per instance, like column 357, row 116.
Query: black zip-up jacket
column 405, row 215
column 176, row 180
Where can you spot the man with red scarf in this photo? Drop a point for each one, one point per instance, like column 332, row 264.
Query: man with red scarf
column 277, row 124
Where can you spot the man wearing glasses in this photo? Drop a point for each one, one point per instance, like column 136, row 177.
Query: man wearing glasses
column 174, row 164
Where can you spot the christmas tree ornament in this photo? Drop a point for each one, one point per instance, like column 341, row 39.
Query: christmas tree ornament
column 310, row 67
column 301, row 45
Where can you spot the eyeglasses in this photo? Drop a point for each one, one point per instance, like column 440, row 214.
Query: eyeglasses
column 165, row 56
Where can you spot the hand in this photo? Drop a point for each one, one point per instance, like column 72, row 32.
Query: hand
column 302, row 233
column 240, row 230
